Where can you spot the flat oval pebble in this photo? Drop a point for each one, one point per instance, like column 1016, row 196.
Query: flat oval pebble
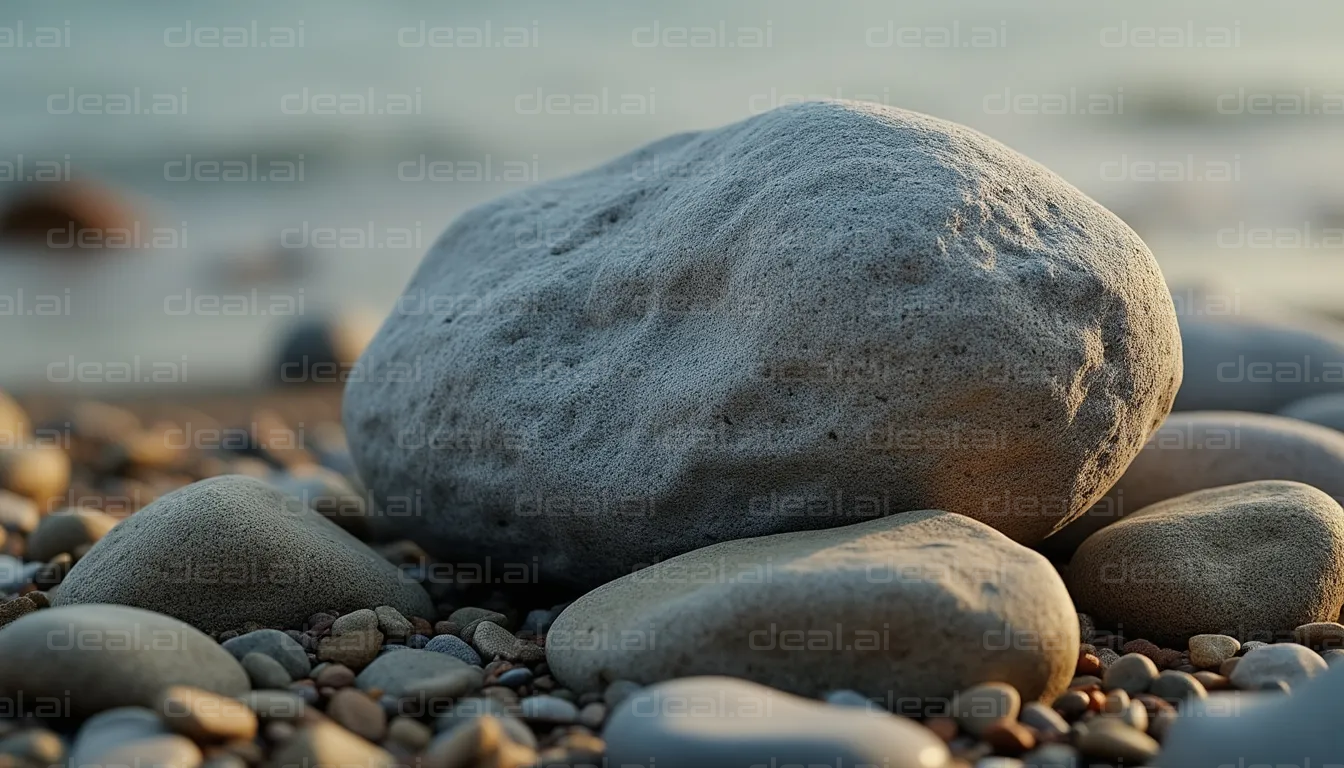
column 66, row 531
column 1176, row 686
column 397, row 673
column 275, row 705
column 981, row 706
column 1287, row 662
column 1211, row 449
column 1264, row 729
column 547, row 709
column 105, row 656
column 1320, row 635
column 847, row 607
column 1131, row 673
column 455, row 647
column 358, row 713
column 230, row 550
column 1183, row 567
column 265, row 672
column 275, row 644
column 1114, row 740
column 516, row 677
column 718, row 722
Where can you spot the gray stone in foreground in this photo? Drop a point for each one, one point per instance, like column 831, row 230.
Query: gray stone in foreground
column 105, row 656
column 718, row 722
column 906, row 605
column 230, row 550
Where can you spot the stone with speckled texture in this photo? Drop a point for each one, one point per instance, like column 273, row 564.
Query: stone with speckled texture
column 1208, row 449
column 907, row 606
column 1247, row 561
column 230, row 550
column 823, row 313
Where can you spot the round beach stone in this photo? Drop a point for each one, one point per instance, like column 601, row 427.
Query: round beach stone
column 396, row 673
column 723, row 721
column 1239, row 728
column 1131, row 673
column 275, row 644
column 1287, row 662
column 1236, row 361
column 230, row 550
column 455, row 647
column 66, row 531
column 38, row 472
column 1210, row 651
column 1246, row 561
column 846, row 310
column 847, row 607
column 105, row 656
column 1211, row 449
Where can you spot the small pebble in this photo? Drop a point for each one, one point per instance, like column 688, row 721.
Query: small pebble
column 1210, row 651
column 1072, row 705
column 334, row 676
column 516, row 677
column 325, row 744
column 1084, row 681
column 980, row 706
column 1212, row 681
column 1009, row 737
column 1107, row 657
column 447, row 628
column 455, row 647
column 1251, row 645
column 944, row 728
column 358, row 713
column 1111, row 739
column 465, row 616
column 34, row 746
column 547, row 709
column 1176, row 687
column 1044, row 720
column 1052, row 756
column 1117, row 701
column 354, row 648
column 418, row 642
column 1132, row 673
column 410, row 733
column 265, row 672
column 1088, row 664
column 357, row 621
column 593, row 715
column 1135, row 716
column 392, row 624
column 204, row 716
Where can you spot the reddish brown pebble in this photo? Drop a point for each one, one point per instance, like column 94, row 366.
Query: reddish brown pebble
column 944, row 728
column 1167, row 658
column 1088, row 664
column 447, row 628
column 1213, row 681
column 421, row 626
column 1097, row 701
column 358, row 713
column 1009, row 737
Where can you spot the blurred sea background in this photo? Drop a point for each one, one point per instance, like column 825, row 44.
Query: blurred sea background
column 1215, row 131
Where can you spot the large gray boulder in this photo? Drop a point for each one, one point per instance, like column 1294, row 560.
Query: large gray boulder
column 915, row 606
column 230, row 550
column 1209, row 449
column 821, row 314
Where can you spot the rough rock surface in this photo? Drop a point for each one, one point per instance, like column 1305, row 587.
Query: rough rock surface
column 820, row 314
column 905, row 606
column 229, row 550
column 720, row 721
column 1248, row 561
column 104, row 656
column 1210, row 449
column 1262, row 729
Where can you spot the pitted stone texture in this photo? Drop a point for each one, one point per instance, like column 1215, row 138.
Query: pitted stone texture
column 821, row 314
